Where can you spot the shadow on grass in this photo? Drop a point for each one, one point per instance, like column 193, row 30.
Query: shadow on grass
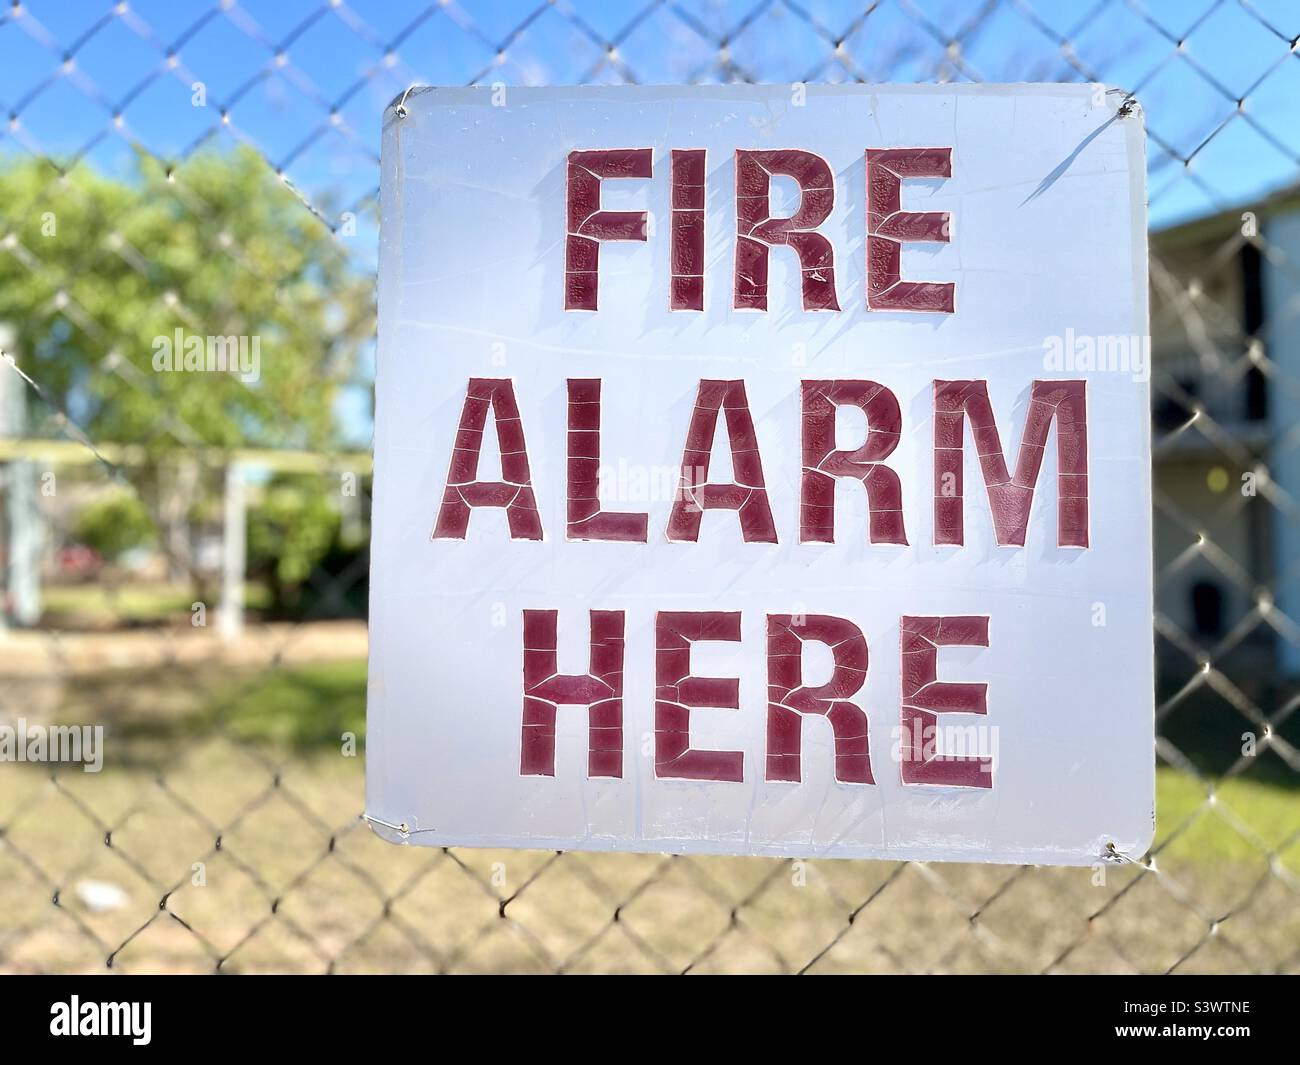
column 151, row 716
column 1214, row 735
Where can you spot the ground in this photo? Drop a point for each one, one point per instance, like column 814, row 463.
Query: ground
column 227, row 818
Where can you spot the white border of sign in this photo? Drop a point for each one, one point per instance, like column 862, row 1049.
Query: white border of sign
column 1048, row 200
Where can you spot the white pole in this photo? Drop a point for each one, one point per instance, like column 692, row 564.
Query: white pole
column 230, row 617
column 25, row 534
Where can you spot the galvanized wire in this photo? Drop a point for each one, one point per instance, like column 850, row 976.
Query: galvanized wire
column 341, row 899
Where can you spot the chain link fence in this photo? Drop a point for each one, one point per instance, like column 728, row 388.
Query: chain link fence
column 212, row 168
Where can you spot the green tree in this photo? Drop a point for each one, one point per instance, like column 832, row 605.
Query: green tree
column 289, row 530
column 93, row 270
column 114, row 525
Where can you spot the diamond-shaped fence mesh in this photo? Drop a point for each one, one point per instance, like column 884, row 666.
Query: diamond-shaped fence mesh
column 186, row 564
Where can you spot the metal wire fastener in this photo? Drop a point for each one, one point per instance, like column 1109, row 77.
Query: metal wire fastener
column 403, row 828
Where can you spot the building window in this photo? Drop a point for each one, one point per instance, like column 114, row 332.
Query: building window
column 1207, row 609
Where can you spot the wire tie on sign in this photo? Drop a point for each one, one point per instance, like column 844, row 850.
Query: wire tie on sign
column 400, row 109
column 1128, row 105
column 403, row 828
column 1113, row 854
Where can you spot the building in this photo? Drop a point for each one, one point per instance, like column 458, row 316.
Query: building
column 1225, row 323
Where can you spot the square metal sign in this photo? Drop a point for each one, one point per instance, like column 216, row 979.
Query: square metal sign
column 764, row 470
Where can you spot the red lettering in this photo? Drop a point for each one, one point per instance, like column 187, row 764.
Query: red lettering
column 757, row 231
column 789, row 699
column 822, row 463
column 1010, row 498
column 586, row 521
column 464, row 490
column 687, row 252
column 748, row 497
column 888, row 226
column 600, row 690
column 924, row 694
column 677, row 692
column 588, row 224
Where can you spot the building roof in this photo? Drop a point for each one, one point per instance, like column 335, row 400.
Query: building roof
column 1223, row 224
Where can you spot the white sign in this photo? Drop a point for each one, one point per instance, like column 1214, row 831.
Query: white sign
column 764, row 470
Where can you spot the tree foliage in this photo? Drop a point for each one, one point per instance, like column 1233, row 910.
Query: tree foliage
column 94, row 269
column 98, row 268
column 290, row 529
column 114, row 525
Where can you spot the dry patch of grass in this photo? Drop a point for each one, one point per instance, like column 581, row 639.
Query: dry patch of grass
column 226, row 817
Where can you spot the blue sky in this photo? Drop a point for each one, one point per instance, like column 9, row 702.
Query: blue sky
column 305, row 81
column 353, row 57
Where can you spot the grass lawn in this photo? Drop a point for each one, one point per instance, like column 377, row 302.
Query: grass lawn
column 104, row 603
column 313, row 705
column 227, row 815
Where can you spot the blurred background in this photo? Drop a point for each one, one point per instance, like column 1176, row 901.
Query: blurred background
column 183, row 557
